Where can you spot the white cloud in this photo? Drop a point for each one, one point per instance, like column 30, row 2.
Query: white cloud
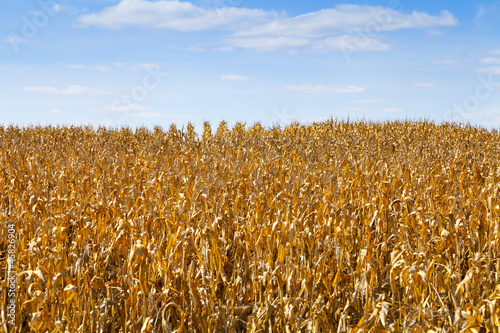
column 349, row 19
column 490, row 60
column 127, row 108
column 309, row 89
column 14, row 40
column 176, row 15
column 147, row 65
column 102, row 68
column 99, row 68
column 425, row 84
column 58, row 8
column 418, row 69
column 369, row 101
column 71, row 90
column 234, row 77
column 433, row 32
column 42, row 89
column 193, row 49
column 146, row 115
column 226, row 48
column 351, row 43
column 392, row 110
column 189, row 48
column 267, row 44
column 450, row 62
column 489, row 70
column 482, row 53
column 344, row 27
column 55, row 111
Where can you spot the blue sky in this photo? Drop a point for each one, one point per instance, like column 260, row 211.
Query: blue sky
column 136, row 62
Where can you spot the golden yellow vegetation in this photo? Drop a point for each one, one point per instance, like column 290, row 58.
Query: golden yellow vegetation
column 329, row 227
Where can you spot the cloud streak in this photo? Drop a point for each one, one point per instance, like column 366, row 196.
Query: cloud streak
column 234, row 77
column 310, row 89
column 490, row 60
column 489, row 70
column 392, row 110
column 425, row 84
column 71, row 90
column 370, row 101
column 99, row 68
column 449, row 62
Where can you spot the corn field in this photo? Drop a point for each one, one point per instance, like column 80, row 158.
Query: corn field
column 336, row 226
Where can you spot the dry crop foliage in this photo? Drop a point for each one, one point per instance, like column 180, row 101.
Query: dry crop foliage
column 329, row 227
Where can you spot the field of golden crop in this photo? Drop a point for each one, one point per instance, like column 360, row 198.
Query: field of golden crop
column 329, row 227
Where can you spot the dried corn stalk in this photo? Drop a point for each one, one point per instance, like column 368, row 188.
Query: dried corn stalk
column 329, row 227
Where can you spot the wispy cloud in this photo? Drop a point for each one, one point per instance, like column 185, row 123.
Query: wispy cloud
column 58, row 8
column 14, row 40
column 489, row 70
column 349, row 43
column 392, row 110
column 431, row 84
column 266, row 44
column 449, row 62
column 146, row 65
column 188, row 49
column 71, row 90
column 484, row 53
column 234, row 77
column 490, row 60
column 310, row 89
column 370, row 101
column 433, row 32
column 99, row 68
column 55, row 111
